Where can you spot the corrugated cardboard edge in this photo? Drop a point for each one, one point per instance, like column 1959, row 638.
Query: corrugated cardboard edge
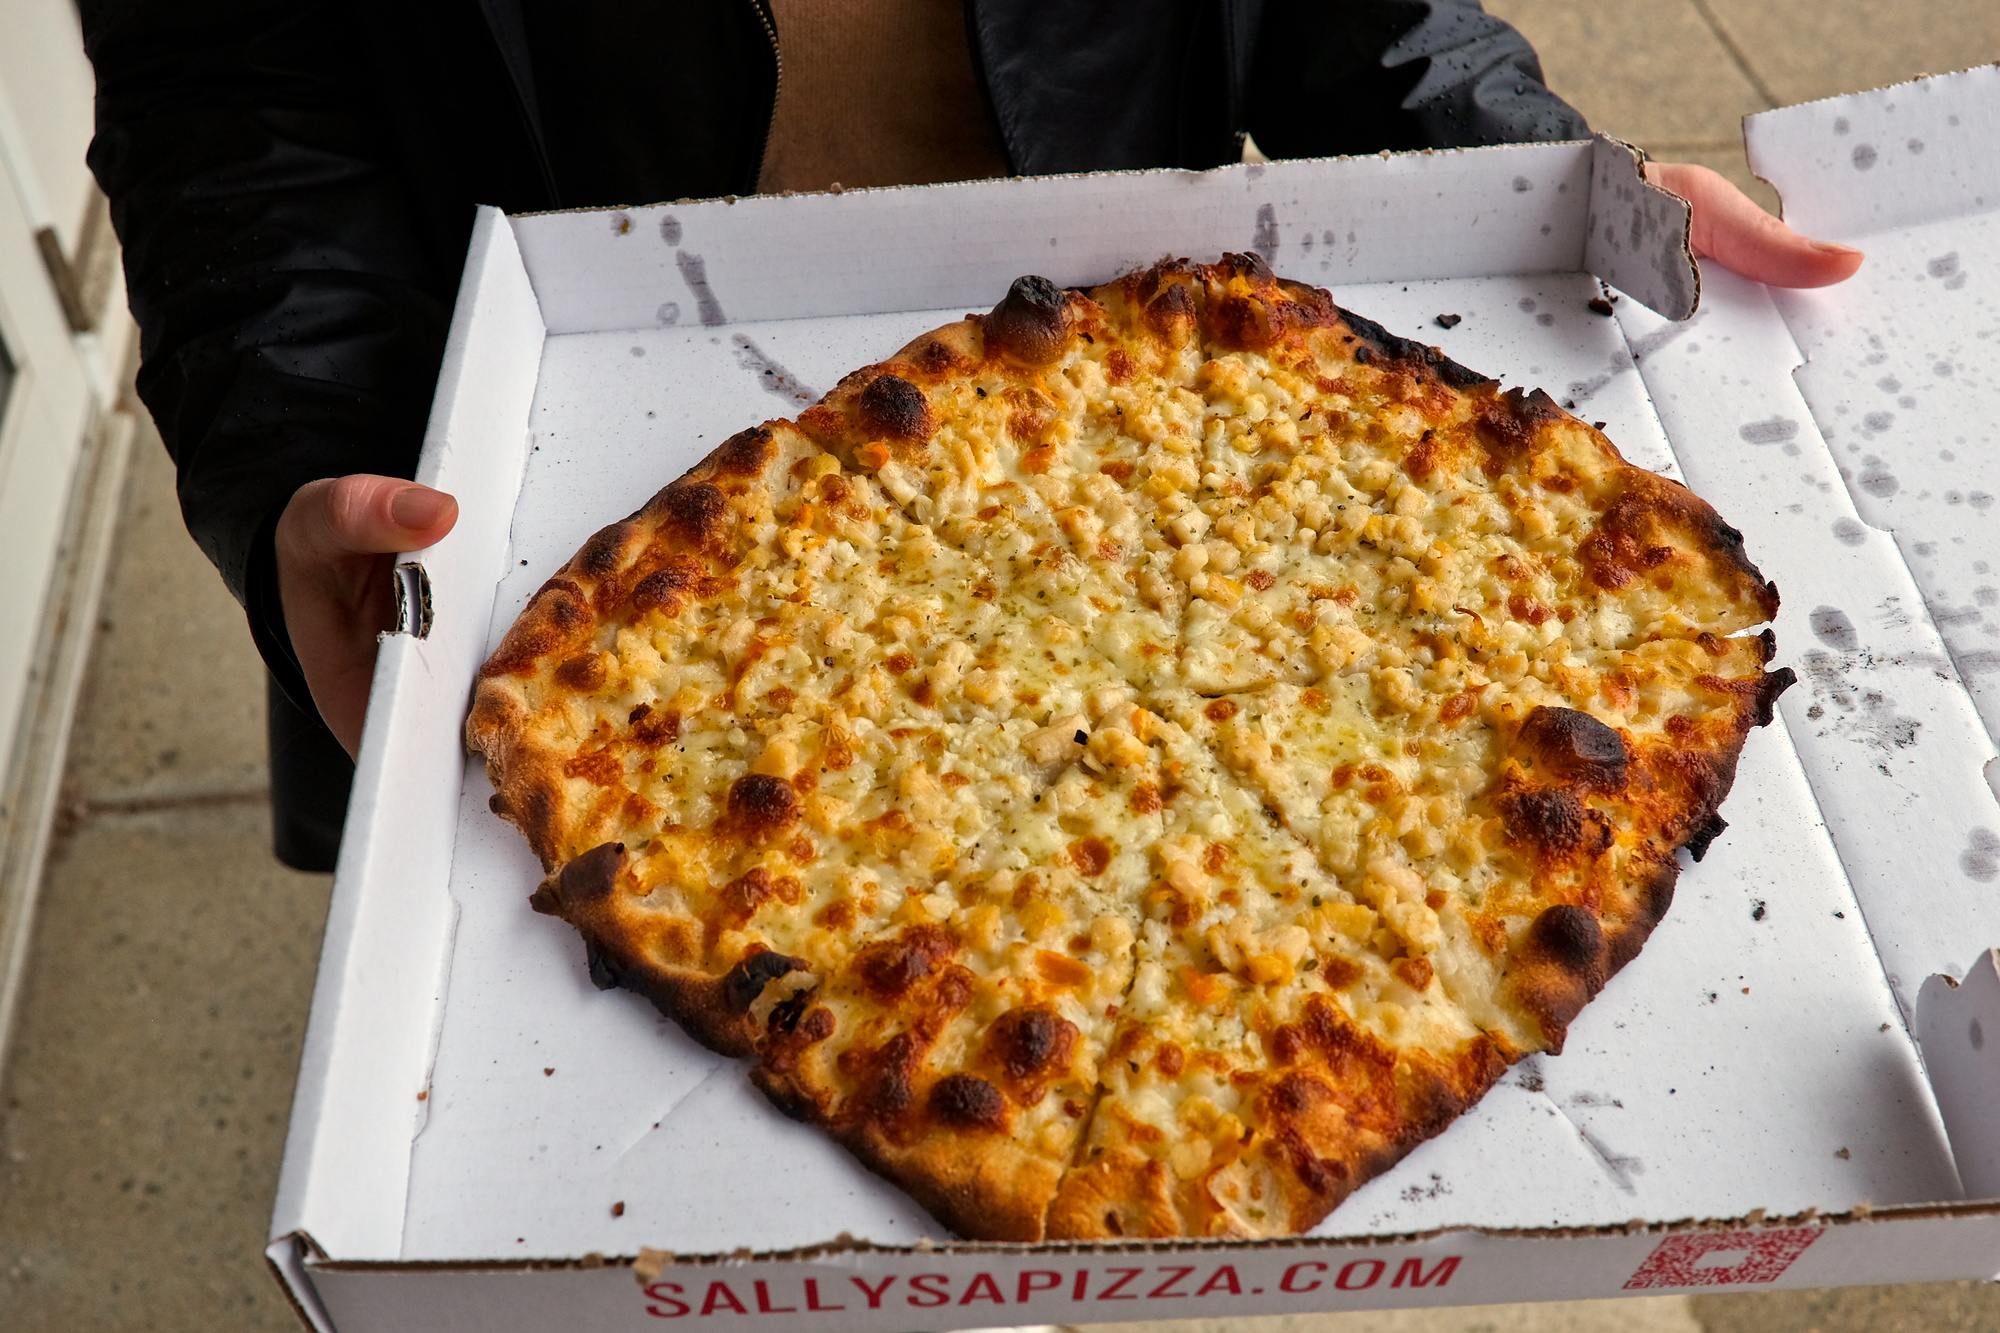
column 1954, row 1020
column 1638, row 239
column 1793, row 147
column 314, row 1260
column 286, row 1258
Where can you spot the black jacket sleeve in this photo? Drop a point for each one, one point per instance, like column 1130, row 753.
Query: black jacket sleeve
column 1333, row 77
column 291, row 323
column 1090, row 85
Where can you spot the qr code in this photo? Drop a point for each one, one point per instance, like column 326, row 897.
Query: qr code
column 1723, row 1258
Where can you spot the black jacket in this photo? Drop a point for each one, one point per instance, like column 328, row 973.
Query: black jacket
column 294, row 183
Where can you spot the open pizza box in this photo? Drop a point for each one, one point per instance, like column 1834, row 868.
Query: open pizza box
column 1790, row 1086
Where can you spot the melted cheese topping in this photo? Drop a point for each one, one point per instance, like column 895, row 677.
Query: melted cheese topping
column 1173, row 683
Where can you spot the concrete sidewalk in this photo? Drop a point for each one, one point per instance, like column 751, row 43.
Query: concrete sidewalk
column 143, row 1108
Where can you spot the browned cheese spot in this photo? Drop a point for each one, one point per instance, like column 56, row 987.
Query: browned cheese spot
column 934, row 357
column 761, row 805
column 817, row 1024
column 1090, row 856
column 966, row 1101
column 1527, row 608
column 1633, row 537
column 585, row 672
column 599, row 767
column 604, row 554
column 1563, row 961
column 1571, row 938
column 695, row 511
column 1171, row 311
column 1554, row 821
column 891, row 967
column 556, row 617
column 1458, row 707
column 891, row 407
column 745, row 453
column 1030, row 325
column 952, row 990
column 1145, row 799
column 1032, row 412
column 592, row 876
column 1031, row 1043
column 1760, row 692
column 1574, row 749
column 1339, row 973
column 669, row 588
column 742, row 897
column 893, row 1087
column 1220, row 710
column 1350, row 1055
column 1298, row 1095
column 1416, row 972
column 1507, row 423
column 1252, row 323
column 1301, row 1107
column 651, row 727
column 1421, row 463
column 1262, row 580
column 1061, row 970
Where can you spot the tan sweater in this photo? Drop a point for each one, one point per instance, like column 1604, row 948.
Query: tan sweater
column 876, row 92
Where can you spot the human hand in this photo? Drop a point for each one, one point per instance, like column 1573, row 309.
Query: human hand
column 336, row 545
column 1726, row 226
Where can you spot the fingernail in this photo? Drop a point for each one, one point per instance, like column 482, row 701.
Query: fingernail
column 1834, row 248
column 417, row 506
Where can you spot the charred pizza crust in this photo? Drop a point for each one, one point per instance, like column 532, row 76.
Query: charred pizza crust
column 1137, row 761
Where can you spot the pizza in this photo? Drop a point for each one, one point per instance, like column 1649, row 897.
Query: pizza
column 1138, row 761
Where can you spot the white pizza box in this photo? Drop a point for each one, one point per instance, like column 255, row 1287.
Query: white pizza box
column 481, row 1139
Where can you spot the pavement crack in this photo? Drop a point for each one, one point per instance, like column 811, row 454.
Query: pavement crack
column 1737, row 55
column 75, row 812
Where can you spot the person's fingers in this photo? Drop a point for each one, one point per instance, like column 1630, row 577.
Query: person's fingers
column 365, row 514
column 334, row 545
column 1729, row 228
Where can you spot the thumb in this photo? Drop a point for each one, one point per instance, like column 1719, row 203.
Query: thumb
column 365, row 514
column 1727, row 226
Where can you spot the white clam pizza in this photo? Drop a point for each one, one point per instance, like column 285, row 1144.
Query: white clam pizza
column 1138, row 761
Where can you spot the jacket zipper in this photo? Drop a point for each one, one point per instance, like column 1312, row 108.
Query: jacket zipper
column 763, row 11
